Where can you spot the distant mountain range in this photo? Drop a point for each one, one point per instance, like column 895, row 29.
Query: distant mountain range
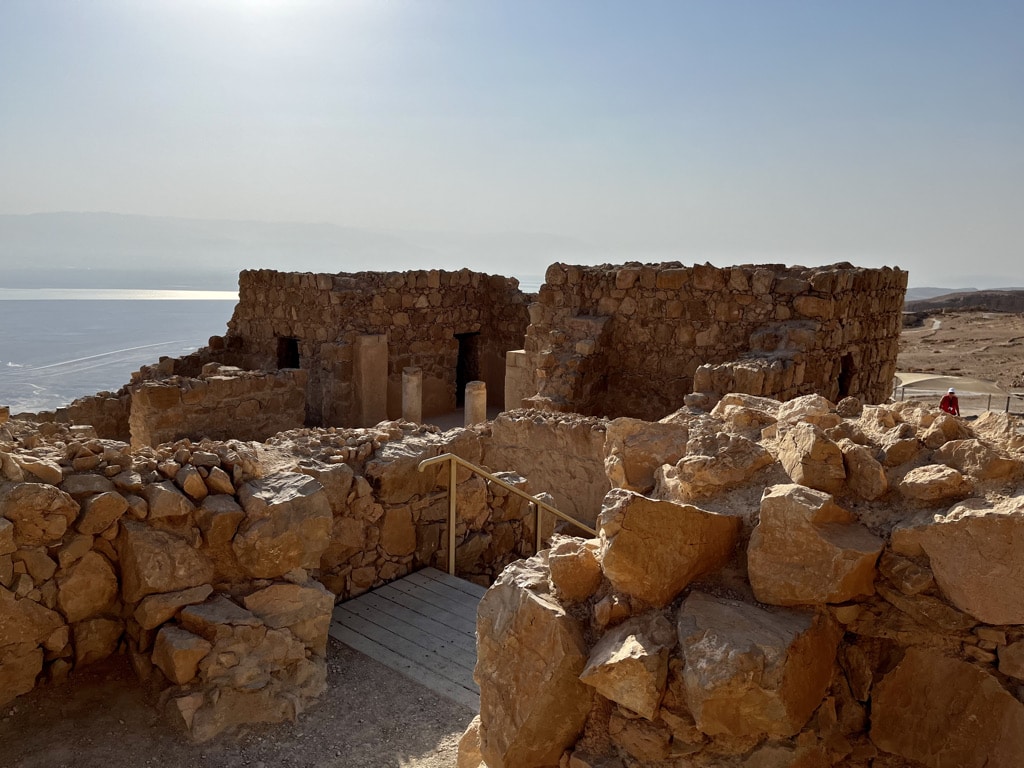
column 1005, row 300
column 106, row 250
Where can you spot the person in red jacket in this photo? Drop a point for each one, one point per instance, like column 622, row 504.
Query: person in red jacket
column 949, row 403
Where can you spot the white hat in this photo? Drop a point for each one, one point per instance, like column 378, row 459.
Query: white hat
column 952, row 391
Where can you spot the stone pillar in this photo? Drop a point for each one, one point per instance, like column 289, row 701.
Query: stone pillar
column 519, row 378
column 476, row 402
column 370, row 377
column 412, row 394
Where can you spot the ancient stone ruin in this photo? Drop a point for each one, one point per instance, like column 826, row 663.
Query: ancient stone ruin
column 785, row 575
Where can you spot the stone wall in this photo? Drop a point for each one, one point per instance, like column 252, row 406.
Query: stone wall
column 222, row 403
column 560, row 454
column 316, row 322
column 789, row 586
column 635, row 340
column 216, row 569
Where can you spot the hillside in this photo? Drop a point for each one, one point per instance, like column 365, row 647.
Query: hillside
column 1009, row 300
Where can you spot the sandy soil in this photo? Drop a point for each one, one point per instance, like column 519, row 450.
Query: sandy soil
column 370, row 717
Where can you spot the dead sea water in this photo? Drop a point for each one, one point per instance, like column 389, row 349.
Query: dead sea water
column 58, row 345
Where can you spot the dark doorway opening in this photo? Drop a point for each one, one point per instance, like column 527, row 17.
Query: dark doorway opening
column 467, row 368
column 846, row 371
column 287, row 352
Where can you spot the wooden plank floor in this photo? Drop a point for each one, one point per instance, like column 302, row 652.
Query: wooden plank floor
column 423, row 626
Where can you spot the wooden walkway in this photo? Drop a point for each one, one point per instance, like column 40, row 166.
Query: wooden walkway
column 423, row 626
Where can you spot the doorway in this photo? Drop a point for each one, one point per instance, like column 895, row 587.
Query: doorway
column 467, row 367
column 287, row 352
column 846, row 371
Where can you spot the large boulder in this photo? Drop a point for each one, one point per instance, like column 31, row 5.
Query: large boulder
column 944, row 712
column 749, row 672
column 155, row 561
column 652, row 549
column 575, row 568
column 177, row 652
column 41, row 513
column 811, row 458
column 807, row 549
column 99, row 512
column 629, row 665
column 976, row 552
column 287, row 525
column 303, row 609
column 166, row 501
column 24, row 624
column 713, row 463
column 934, row 484
column 530, row 653
column 865, row 476
column 978, row 460
column 87, row 588
column 634, row 449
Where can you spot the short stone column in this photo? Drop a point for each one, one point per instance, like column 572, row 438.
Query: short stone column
column 412, row 394
column 476, row 402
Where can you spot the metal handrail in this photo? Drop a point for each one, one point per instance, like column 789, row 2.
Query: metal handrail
column 453, row 464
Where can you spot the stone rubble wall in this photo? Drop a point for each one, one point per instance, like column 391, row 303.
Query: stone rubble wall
column 792, row 584
column 420, row 312
column 216, row 568
column 221, row 403
column 635, row 340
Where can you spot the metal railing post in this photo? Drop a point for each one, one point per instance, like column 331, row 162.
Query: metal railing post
column 452, row 471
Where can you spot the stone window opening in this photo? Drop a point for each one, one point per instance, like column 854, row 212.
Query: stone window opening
column 467, row 366
column 288, row 352
column 846, row 372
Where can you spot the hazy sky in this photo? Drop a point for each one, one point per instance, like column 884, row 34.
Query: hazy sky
column 806, row 132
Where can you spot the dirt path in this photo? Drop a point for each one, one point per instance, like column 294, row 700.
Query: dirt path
column 370, row 717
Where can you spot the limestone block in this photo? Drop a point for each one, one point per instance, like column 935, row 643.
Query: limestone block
column 37, row 563
column 813, row 409
column 305, row 610
column 934, row 484
column 714, row 463
column 44, row 470
column 749, row 672
column 100, row 511
column 219, row 618
column 944, row 712
column 780, row 756
column 87, row 588
column 986, row 578
column 18, row 672
column 155, row 561
column 575, row 570
column 287, row 524
column 7, row 544
column 898, row 450
column 469, row 747
column 335, row 478
column 850, row 407
column 177, row 652
column 943, row 429
column 645, row 742
column 978, row 460
column 811, row 459
column 157, row 609
column 166, row 501
column 219, row 482
column 1011, row 660
column 393, row 471
column 83, row 484
column 218, row 518
column 807, row 549
column 40, row 513
column 95, row 639
column 865, row 476
column 530, row 654
column 189, row 480
column 397, row 532
column 652, row 549
column 24, row 622
column 629, row 665
column 634, row 449
column 906, row 575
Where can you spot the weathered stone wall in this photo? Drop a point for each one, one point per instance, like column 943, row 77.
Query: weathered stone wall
column 560, row 454
column 635, row 340
column 221, row 403
column 421, row 313
column 790, row 584
column 215, row 570
column 106, row 412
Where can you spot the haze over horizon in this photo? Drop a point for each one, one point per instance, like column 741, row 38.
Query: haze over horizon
column 505, row 135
